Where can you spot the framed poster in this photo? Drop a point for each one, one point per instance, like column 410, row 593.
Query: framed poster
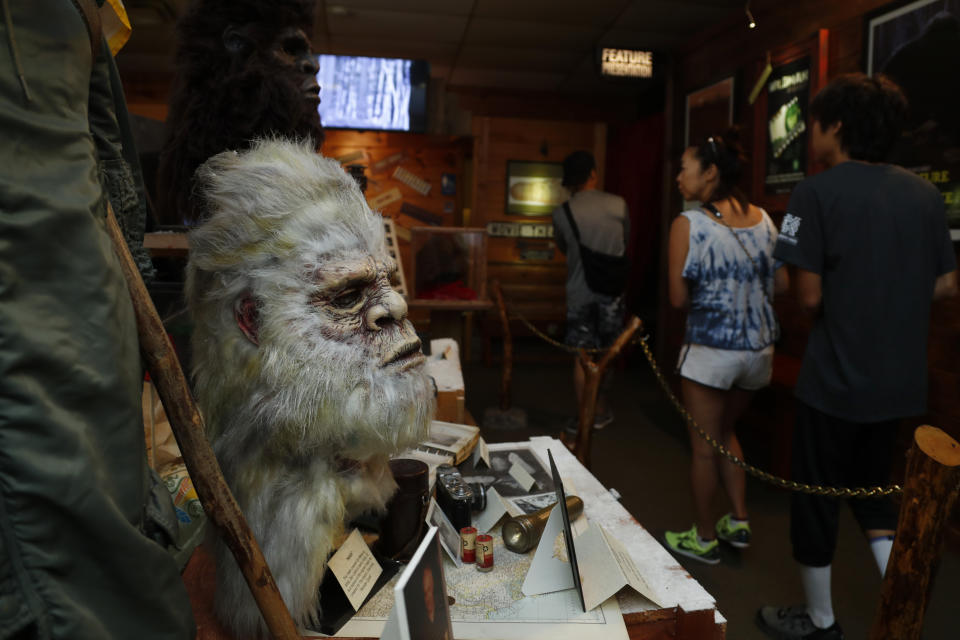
column 708, row 111
column 534, row 188
column 788, row 97
column 781, row 155
column 917, row 44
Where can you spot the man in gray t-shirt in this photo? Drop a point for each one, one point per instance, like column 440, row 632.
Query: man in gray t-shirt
column 593, row 319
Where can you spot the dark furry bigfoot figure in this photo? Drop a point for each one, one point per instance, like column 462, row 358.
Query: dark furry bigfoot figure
column 245, row 70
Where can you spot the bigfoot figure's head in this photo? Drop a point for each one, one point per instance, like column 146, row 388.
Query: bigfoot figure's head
column 301, row 345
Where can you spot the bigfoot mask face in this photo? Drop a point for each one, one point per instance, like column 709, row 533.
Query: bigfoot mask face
column 298, row 328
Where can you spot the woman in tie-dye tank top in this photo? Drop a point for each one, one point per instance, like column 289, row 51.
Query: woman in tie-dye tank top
column 722, row 272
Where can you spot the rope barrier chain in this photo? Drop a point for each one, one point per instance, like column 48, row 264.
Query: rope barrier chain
column 791, row 485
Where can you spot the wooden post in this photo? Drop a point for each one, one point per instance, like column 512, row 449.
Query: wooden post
column 506, row 376
column 929, row 494
column 593, row 374
column 187, row 425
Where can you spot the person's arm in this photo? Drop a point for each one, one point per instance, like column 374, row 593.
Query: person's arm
column 945, row 286
column 558, row 233
column 809, row 291
column 781, row 280
column 801, row 243
column 677, row 258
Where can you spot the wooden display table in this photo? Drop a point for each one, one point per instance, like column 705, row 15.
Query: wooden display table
column 692, row 616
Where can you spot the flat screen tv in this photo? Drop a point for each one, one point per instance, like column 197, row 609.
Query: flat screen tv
column 373, row 93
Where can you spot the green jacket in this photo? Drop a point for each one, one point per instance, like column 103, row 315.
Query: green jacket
column 74, row 485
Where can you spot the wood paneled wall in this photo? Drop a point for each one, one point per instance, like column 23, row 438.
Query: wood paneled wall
column 534, row 287
column 424, row 156
column 731, row 49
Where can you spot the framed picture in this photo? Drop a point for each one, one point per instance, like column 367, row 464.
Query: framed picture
column 534, row 188
column 788, row 97
column 781, row 155
column 708, row 110
column 917, row 44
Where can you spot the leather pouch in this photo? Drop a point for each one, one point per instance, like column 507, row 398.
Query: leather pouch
column 404, row 526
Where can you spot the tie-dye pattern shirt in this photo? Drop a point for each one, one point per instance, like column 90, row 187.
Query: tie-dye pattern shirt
column 728, row 308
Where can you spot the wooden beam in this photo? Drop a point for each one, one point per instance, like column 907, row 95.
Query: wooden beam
column 932, row 485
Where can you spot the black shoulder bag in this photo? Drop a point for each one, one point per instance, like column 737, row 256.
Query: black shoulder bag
column 606, row 274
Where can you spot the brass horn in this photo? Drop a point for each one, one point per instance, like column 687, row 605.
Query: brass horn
column 522, row 533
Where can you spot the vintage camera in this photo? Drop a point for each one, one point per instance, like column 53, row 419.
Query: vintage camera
column 458, row 498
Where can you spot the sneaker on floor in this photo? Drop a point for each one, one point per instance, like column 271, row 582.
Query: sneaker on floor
column 793, row 623
column 737, row 534
column 601, row 420
column 686, row 543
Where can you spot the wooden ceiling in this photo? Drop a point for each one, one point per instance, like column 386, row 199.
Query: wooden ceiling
column 540, row 45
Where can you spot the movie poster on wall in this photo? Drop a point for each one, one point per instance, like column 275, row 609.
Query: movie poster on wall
column 788, row 94
column 917, row 44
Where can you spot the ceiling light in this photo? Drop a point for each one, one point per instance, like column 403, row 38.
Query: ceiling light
column 750, row 21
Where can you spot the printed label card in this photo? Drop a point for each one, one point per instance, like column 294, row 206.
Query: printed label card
column 355, row 569
column 481, row 454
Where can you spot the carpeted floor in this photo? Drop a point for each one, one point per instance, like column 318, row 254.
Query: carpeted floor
column 644, row 455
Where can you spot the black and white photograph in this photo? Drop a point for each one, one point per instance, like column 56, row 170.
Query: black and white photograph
column 498, row 475
column 534, row 502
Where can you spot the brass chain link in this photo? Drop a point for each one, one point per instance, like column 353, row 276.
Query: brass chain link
column 791, row 485
column 560, row 345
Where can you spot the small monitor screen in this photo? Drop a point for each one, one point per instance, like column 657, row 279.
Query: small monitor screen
column 372, row 93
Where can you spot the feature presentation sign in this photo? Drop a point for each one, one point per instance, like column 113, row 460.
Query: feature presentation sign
column 628, row 63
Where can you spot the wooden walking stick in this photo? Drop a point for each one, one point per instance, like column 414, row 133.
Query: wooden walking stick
column 593, row 374
column 507, row 369
column 929, row 494
column 187, row 425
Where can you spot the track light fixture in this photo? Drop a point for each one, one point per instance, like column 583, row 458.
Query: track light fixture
column 750, row 21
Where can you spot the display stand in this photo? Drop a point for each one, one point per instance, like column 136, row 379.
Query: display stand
column 690, row 613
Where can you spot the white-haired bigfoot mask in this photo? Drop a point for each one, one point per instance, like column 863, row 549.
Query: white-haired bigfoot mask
column 305, row 366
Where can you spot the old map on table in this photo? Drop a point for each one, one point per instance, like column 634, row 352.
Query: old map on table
column 492, row 605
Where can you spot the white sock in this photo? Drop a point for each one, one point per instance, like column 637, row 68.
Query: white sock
column 703, row 542
column 816, row 586
column 735, row 521
column 881, row 552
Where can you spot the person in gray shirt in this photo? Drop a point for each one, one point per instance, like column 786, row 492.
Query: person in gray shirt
column 593, row 319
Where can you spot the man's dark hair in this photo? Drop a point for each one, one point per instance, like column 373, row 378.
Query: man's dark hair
column 577, row 167
column 871, row 110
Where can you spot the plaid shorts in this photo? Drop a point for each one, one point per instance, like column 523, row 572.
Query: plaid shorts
column 595, row 325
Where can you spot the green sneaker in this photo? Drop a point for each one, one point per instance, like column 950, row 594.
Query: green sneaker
column 686, row 544
column 736, row 534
